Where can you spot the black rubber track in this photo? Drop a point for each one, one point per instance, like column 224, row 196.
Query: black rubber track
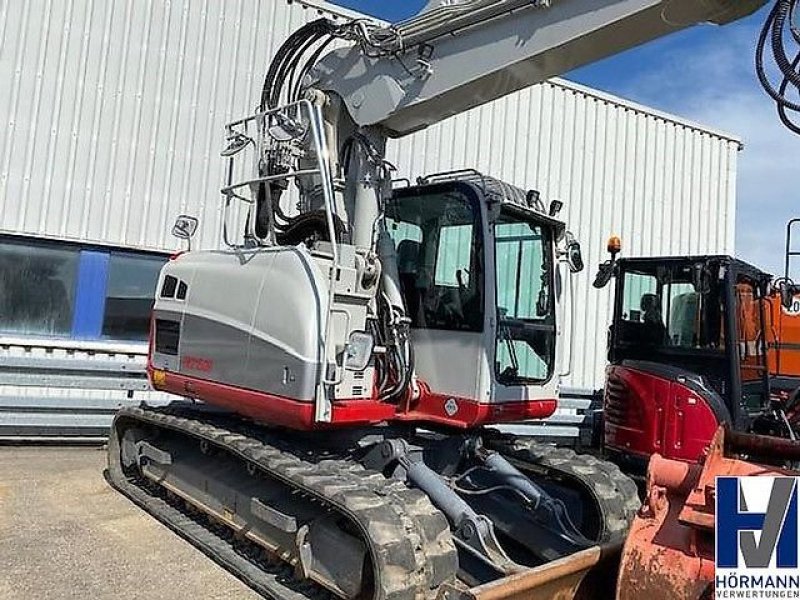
column 614, row 493
column 411, row 547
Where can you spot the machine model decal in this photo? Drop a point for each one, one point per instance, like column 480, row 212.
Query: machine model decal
column 195, row 363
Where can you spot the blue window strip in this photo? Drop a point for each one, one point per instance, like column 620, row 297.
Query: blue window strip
column 90, row 295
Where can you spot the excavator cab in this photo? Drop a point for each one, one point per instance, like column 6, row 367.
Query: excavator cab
column 687, row 354
column 783, row 331
column 477, row 267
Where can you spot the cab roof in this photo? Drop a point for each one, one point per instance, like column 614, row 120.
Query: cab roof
column 740, row 266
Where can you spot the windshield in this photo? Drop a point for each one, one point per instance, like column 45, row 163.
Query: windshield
column 525, row 345
column 672, row 307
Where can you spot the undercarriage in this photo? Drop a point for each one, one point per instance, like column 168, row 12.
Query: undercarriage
column 384, row 513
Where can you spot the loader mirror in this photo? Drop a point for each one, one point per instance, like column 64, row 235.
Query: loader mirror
column 605, row 273
column 574, row 257
column 571, row 253
column 607, row 270
column 185, row 227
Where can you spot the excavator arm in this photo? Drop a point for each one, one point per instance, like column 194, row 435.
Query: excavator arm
column 454, row 57
column 392, row 80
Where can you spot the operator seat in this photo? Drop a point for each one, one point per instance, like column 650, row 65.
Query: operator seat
column 683, row 319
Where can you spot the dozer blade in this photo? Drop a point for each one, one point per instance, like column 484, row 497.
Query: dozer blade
column 579, row 576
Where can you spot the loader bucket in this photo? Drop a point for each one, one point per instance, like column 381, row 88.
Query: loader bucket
column 669, row 552
column 574, row 577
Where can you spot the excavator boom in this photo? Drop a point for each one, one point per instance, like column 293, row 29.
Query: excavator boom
column 452, row 58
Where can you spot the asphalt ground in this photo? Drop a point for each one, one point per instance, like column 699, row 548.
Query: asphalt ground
column 64, row 533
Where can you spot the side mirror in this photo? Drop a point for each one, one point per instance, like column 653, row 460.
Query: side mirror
column 605, row 273
column 608, row 269
column 185, row 227
column 571, row 253
column 574, row 256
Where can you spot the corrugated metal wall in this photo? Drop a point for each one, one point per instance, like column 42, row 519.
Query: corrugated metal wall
column 112, row 115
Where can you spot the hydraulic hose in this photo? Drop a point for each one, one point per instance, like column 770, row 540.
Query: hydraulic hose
column 782, row 20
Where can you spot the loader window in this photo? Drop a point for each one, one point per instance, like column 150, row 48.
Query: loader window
column 671, row 307
column 439, row 258
column 525, row 348
column 637, row 287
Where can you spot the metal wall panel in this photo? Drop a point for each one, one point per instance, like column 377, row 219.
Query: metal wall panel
column 112, row 115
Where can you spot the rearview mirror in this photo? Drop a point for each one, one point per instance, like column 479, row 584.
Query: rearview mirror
column 571, row 254
column 185, row 227
column 574, row 257
column 605, row 273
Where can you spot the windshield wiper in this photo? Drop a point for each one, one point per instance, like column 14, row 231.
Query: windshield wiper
column 511, row 372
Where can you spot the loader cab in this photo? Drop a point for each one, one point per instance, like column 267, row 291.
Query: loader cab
column 477, row 269
column 686, row 352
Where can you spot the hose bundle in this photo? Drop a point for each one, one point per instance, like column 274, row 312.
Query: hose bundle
column 783, row 22
column 288, row 68
column 283, row 84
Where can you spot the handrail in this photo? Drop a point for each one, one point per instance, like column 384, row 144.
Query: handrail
column 265, row 144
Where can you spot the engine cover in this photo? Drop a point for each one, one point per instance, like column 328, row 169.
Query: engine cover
column 249, row 318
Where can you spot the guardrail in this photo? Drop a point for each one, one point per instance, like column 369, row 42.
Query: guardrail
column 53, row 390
column 66, row 390
column 575, row 423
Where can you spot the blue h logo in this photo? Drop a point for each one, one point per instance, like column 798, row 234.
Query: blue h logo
column 737, row 527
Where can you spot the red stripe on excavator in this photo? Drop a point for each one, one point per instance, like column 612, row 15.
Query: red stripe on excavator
column 277, row 410
column 464, row 413
column 270, row 408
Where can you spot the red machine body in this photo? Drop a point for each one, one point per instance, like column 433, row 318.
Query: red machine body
column 293, row 414
column 649, row 413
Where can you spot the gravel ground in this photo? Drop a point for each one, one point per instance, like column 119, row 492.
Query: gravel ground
column 64, row 533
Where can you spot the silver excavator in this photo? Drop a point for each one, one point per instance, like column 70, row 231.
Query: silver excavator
column 344, row 357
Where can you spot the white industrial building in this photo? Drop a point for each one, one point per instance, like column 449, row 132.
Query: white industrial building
column 113, row 116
